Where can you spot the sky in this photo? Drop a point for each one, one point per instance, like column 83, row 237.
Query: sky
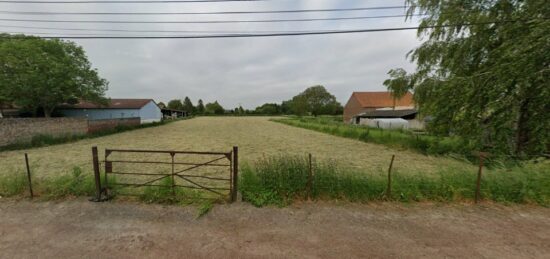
column 234, row 71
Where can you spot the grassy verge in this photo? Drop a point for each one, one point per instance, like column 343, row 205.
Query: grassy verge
column 47, row 140
column 424, row 144
column 79, row 184
column 282, row 179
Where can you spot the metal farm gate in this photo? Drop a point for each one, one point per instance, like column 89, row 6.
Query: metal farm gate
column 183, row 177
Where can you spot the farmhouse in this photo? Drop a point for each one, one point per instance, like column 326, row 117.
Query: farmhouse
column 144, row 109
column 361, row 102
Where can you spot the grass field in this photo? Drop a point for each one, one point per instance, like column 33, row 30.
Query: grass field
column 274, row 169
column 256, row 137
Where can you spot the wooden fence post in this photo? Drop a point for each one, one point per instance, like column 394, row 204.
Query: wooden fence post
column 478, row 183
column 388, row 190
column 235, row 173
column 309, row 178
column 29, row 175
column 95, row 162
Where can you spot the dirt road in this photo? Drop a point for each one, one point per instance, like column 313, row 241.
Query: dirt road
column 81, row 229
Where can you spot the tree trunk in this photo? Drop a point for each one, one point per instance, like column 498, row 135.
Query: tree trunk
column 48, row 112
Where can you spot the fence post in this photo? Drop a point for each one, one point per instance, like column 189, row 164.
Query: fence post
column 95, row 162
column 235, row 174
column 29, row 175
column 309, row 178
column 388, row 190
column 478, row 183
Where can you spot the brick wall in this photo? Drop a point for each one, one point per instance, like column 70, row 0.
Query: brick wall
column 13, row 130
column 16, row 130
column 353, row 108
column 100, row 125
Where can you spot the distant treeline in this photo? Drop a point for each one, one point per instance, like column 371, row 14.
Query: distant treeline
column 315, row 100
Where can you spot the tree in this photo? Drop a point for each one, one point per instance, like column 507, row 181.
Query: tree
column 188, row 105
column 315, row 100
column 40, row 74
column 268, row 109
column 175, row 104
column 487, row 78
column 214, row 108
column 398, row 84
column 161, row 105
column 241, row 110
column 200, row 107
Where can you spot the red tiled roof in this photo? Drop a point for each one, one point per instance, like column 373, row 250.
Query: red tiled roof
column 113, row 104
column 381, row 99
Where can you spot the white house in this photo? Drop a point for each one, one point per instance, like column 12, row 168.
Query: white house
column 145, row 109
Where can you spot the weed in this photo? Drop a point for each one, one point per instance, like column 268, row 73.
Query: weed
column 204, row 208
column 12, row 184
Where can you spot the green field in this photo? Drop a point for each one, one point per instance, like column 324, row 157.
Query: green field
column 260, row 139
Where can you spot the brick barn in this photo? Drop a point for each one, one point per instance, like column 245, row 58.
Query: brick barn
column 361, row 102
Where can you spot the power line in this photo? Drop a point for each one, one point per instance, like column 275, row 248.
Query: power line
column 210, row 21
column 276, row 34
column 206, row 13
column 126, row 30
column 122, row 2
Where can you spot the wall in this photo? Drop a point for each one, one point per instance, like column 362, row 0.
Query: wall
column 101, row 114
column 100, row 125
column 13, row 130
column 150, row 113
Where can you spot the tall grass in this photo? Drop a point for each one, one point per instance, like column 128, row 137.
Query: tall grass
column 74, row 184
column 279, row 180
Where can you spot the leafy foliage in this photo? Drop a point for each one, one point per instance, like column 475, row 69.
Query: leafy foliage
column 200, row 107
column 214, row 108
column 315, row 100
column 486, row 79
column 188, row 105
column 175, row 104
column 39, row 74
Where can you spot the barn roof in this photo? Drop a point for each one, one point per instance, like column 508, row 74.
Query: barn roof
column 112, row 104
column 381, row 99
column 388, row 113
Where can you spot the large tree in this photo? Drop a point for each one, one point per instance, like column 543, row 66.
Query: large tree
column 175, row 104
column 188, row 105
column 200, row 107
column 483, row 71
column 214, row 108
column 315, row 100
column 39, row 74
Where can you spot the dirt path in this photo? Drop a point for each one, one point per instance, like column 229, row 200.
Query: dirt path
column 81, row 229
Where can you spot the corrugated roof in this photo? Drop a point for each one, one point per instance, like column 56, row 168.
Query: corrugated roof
column 388, row 113
column 381, row 99
column 113, row 104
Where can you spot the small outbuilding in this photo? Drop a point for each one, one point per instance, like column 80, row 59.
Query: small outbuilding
column 144, row 109
column 390, row 119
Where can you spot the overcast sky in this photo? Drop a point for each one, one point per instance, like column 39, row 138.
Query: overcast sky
column 247, row 71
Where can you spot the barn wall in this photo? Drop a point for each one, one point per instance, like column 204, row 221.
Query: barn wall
column 150, row 113
column 353, row 108
column 101, row 114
